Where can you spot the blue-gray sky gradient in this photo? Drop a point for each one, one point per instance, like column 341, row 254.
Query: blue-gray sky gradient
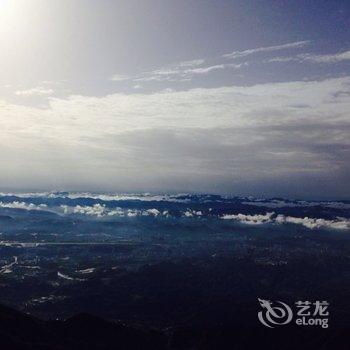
column 239, row 97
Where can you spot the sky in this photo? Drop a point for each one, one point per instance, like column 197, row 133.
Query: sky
column 234, row 97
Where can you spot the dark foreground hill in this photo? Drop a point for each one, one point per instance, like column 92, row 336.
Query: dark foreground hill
column 83, row 331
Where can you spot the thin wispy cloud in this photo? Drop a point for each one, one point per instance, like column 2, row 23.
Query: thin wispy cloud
column 192, row 63
column 186, row 70
column 313, row 58
column 338, row 57
column 280, row 59
column 244, row 53
column 36, row 91
column 119, row 77
column 183, row 73
column 205, row 70
column 160, row 77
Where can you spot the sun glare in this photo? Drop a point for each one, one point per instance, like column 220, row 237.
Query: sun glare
column 13, row 14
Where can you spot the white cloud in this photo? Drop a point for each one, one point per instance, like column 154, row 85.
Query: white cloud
column 120, row 77
column 37, row 91
column 205, row 70
column 94, row 210
column 280, row 59
column 23, row 205
column 334, row 58
column 201, row 135
column 256, row 219
column 307, row 57
column 100, row 211
column 312, row 223
column 158, row 76
column 192, row 63
column 239, row 54
column 275, row 203
column 154, row 212
column 191, row 213
column 145, row 197
column 185, row 71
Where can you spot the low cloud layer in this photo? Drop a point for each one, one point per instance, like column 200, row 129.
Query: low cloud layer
column 101, row 211
column 256, row 219
column 23, row 205
column 310, row 223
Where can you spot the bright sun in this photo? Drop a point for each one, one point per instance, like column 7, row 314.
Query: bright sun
column 12, row 14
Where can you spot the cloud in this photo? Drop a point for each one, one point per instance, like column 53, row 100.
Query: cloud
column 97, row 209
column 312, row 223
column 343, row 56
column 185, row 71
column 239, row 54
column 119, row 77
column 277, row 203
column 257, row 219
column 162, row 76
column 190, row 213
column 159, row 210
column 192, row 63
column 154, row 212
column 235, row 137
column 205, row 70
column 307, row 57
column 23, row 205
column 144, row 197
column 100, row 210
column 37, row 91
column 281, row 59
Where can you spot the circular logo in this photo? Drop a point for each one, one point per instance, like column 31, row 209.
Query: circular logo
column 274, row 313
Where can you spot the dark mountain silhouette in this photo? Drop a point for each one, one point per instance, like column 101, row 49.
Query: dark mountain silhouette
column 19, row 331
column 83, row 331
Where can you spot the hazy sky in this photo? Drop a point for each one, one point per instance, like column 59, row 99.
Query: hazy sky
column 238, row 97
